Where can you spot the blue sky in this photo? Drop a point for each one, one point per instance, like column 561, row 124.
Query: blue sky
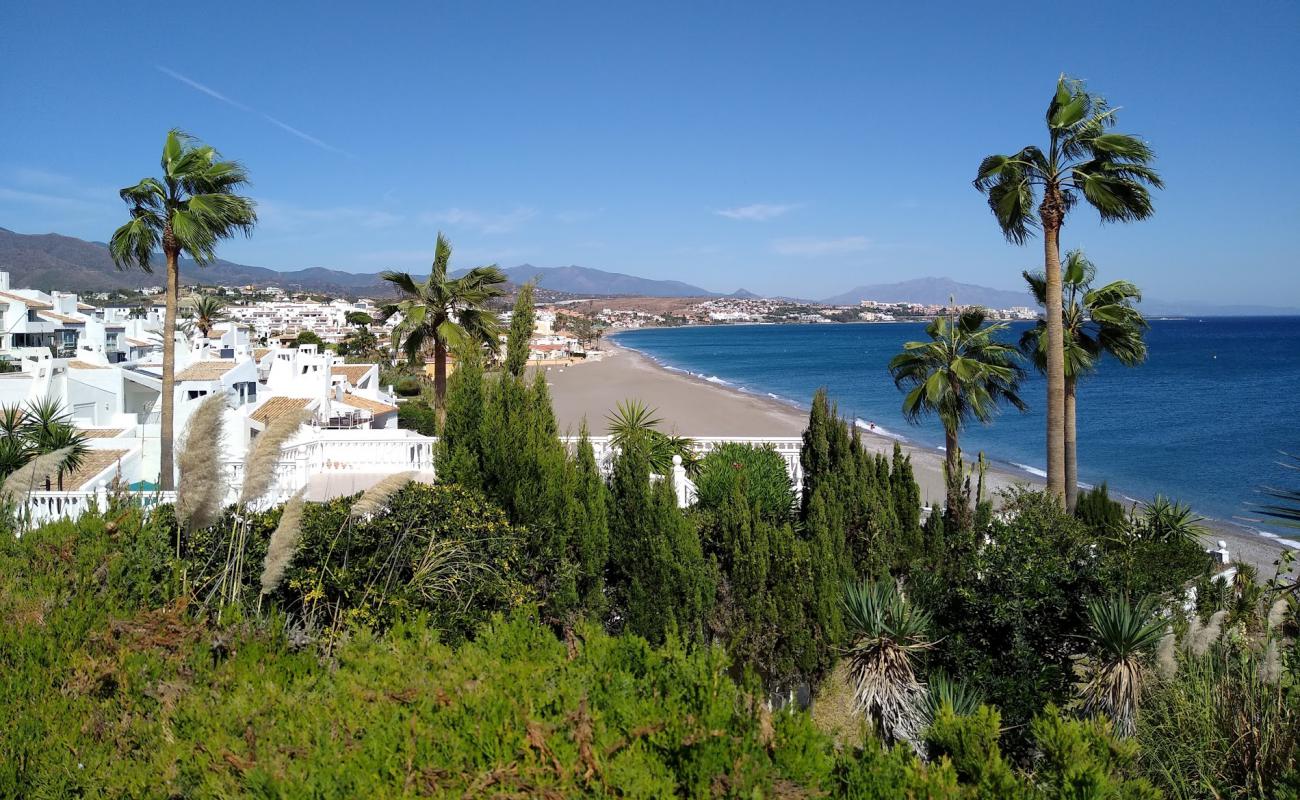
column 798, row 148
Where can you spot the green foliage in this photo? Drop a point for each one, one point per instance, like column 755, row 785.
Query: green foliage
column 591, row 536
column 460, row 449
column 308, row 337
column 661, row 580
column 1101, row 514
column 761, row 471
column 112, row 689
column 408, row 386
column 633, row 418
column 418, row 416
column 521, row 331
column 866, row 510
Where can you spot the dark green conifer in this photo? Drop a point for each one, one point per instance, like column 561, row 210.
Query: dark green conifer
column 521, row 331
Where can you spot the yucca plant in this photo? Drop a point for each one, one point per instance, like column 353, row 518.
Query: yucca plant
column 887, row 633
column 1122, row 635
column 1166, row 520
column 632, row 418
column 958, row 696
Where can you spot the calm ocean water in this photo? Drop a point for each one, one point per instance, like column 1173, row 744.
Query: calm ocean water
column 1203, row 420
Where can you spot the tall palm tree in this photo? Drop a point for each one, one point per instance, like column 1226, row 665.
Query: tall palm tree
column 1096, row 322
column 1122, row 635
column 188, row 210
column 960, row 375
column 206, row 310
column 1083, row 159
column 887, row 634
column 444, row 312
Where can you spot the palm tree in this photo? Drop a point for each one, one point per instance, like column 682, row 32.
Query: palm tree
column 444, row 311
column 1083, row 159
column 47, row 429
column 1122, row 634
column 15, row 450
column 1096, row 322
column 207, row 312
column 191, row 208
column 887, row 633
column 961, row 374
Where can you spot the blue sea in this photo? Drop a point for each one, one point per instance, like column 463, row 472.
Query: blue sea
column 1205, row 420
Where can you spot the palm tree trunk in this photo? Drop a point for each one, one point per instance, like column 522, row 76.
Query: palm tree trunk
column 440, row 372
column 1071, row 452
column 952, row 473
column 166, row 478
column 1051, row 212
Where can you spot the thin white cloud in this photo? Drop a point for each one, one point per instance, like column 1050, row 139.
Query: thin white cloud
column 480, row 221
column 213, row 93
column 757, row 212
column 811, row 246
column 287, row 217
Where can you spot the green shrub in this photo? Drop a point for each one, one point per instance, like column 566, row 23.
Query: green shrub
column 417, row 416
column 408, row 386
column 760, row 470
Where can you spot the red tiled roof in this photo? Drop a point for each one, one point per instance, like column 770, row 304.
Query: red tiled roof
column 279, row 406
column 205, row 371
column 373, row 406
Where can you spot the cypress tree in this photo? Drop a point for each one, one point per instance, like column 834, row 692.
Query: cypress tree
column 521, row 331
column 460, row 447
column 591, row 537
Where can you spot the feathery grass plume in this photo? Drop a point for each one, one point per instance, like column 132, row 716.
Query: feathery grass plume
column 284, row 543
column 1276, row 614
column 1193, row 630
column 33, row 475
column 1167, row 657
column 377, row 496
column 1209, row 634
column 202, row 486
column 1270, row 668
column 264, row 453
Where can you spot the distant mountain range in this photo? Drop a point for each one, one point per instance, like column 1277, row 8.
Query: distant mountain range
column 933, row 291
column 54, row 262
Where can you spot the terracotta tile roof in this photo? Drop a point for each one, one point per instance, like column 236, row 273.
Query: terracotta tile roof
column 139, row 342
column 101, row 433
column 353, row 372
column 205, row 371
column 85, row 307
column 95, row 462
column 373, row 406
column 76, row 364
column 62, row 318
column 36, row 304
column 278, row 407
column 260, row 352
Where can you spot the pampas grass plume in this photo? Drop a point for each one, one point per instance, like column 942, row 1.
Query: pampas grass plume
column 264, row 453
column 1270, row 669
column 1166, row 657
column 1209, row 634
column 377, row 496
column 284, row 543
column 1276, row 614
column 33, row 474
column 202, row 486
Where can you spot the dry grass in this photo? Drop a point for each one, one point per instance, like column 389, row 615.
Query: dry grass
column 834, row 709
column 376, row 497
column 264, row 454
column 283, row 544
column 33, row 475
column 202, row 484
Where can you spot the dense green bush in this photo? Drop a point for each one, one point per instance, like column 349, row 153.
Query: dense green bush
column 408, row 386
column 760, row 470
column 105, row 696
column 418, row 416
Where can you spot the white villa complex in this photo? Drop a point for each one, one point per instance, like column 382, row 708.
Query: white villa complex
column 104, row 367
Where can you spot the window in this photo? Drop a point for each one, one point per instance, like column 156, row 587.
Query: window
column 195, row 394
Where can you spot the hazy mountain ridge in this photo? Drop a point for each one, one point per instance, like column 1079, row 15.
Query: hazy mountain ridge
column 51, row 261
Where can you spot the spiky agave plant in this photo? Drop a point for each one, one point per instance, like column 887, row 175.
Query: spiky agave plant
column 887, row 634
column 1122, row 635
column 632, row 418
column 1166, row 520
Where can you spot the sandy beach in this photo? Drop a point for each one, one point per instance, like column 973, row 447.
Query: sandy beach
column 698, row 408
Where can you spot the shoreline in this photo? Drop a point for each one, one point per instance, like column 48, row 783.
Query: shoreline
column 695, row 405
